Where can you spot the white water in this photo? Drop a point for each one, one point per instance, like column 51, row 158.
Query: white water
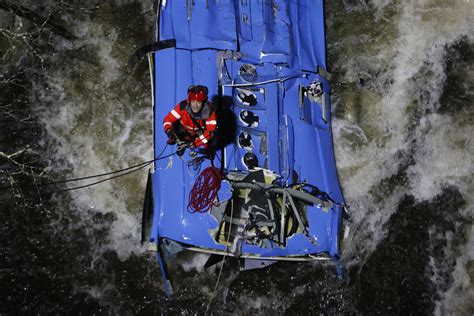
column 458, row 299
column 97, row 127
column 414, row 65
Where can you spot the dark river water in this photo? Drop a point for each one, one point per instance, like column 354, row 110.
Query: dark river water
column 71, row 105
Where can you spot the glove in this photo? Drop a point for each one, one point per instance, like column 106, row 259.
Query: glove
column 171, row 137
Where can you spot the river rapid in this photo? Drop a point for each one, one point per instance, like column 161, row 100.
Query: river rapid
column 403, row 120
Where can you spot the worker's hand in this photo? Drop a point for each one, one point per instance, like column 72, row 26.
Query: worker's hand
column 172, row 138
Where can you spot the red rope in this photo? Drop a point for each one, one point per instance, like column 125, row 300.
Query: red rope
column 204, row 190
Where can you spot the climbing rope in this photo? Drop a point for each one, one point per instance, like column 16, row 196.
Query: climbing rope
column 121, row 172
column 226, row 253
column 204, row 190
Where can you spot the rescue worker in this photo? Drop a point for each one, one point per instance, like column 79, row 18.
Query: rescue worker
column 192, row 121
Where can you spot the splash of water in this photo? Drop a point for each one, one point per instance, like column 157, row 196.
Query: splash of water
column 99, row 119
column 398, row 142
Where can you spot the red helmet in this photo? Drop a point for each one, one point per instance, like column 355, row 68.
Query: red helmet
column 197, row 93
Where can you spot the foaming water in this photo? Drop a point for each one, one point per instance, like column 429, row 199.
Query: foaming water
column 458, row 298
column 401, row 143
column 99, row 120
column 410, row 86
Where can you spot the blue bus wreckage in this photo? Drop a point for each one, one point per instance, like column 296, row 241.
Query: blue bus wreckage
column 277, row 195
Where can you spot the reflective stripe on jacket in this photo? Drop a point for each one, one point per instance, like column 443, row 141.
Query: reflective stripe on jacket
column 206, row 119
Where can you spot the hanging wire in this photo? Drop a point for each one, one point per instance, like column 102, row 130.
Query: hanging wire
column 129, row 170
column 110, row 178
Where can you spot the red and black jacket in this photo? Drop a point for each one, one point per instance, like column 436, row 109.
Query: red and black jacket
column 200, row 126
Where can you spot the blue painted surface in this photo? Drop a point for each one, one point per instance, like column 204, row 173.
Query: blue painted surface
column 285, row 41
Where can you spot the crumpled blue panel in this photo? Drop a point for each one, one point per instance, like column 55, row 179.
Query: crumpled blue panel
column 199, row 24
column 251, row 29
column 278, row 31
column 307, row 18
column 265, row 31
column 174, row 23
